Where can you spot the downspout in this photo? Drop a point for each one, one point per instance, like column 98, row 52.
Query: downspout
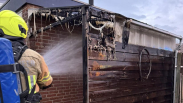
column 178, row 47
column 175, row 70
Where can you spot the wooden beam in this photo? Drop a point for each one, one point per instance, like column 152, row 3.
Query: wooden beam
column 91, row 2
column 85, row 31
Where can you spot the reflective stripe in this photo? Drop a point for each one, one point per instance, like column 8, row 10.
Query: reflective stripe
column 34, row 77
column 29, row 84
column 45, row 78
column 32, row 81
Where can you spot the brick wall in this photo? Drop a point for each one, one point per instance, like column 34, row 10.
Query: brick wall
column 67, row 87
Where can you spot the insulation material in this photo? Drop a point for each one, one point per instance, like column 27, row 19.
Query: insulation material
column 107, row 24
column 118, row 28
column 150, row 38
column 31, row 11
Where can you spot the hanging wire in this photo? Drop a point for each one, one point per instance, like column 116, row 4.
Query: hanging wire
column 61, row 25
column 68, row 27
column 59, row 19
column 99, row 29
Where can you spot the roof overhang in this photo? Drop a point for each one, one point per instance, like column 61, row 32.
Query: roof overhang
column 13, row 5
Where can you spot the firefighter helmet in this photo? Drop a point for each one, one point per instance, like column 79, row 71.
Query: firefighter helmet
column 12, row 25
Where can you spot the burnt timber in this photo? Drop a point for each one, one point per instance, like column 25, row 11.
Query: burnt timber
column 119, row 81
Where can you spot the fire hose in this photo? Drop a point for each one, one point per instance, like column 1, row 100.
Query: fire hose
column 140, row 60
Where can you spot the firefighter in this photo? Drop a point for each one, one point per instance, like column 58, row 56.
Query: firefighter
column 14, row 28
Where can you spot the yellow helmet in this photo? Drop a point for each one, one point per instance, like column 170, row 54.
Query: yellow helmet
column 11, row 24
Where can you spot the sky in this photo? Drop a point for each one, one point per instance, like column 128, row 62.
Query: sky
column 1, row 2
column 164, row 14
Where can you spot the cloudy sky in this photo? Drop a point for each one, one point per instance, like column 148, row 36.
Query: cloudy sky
column 164, row 14
column 2, row 1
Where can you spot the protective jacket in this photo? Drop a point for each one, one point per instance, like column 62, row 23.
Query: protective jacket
column 38, row 74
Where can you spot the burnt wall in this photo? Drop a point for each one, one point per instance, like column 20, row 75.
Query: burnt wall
column 67, row 80
column 67, row 85
column 118, row 80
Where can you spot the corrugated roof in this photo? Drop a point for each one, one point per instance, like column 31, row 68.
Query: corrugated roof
column 154, row 28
